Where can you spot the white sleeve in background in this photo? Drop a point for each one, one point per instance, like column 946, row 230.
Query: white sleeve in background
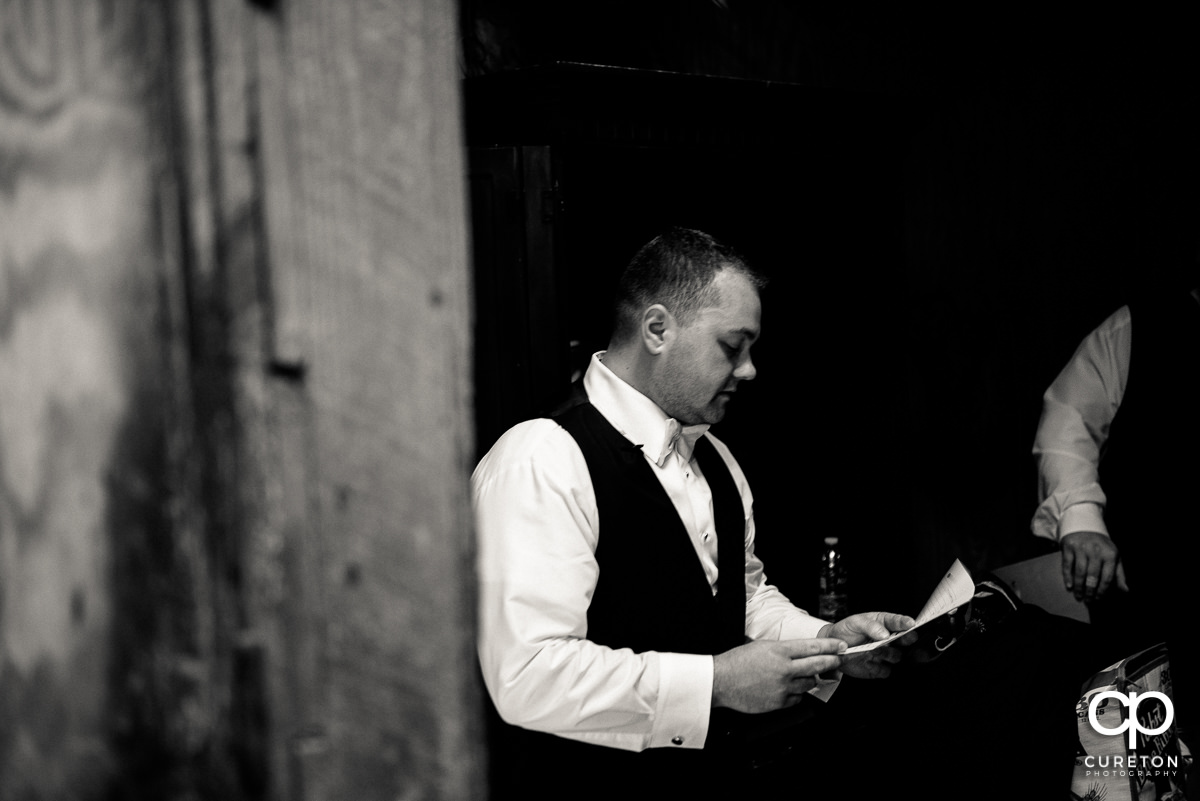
column 537, row 531
column 1077, row 410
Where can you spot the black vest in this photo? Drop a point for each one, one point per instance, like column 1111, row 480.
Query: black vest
column 652, row 594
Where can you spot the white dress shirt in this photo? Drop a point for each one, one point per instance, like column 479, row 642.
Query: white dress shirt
column 1077, row 410
column 538, row 527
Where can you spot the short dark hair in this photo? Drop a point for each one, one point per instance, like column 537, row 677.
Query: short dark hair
column 675, row 268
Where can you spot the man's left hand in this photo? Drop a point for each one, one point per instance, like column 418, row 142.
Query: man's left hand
column 871, row 627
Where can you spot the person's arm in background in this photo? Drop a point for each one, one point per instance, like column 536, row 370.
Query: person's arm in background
column 1077, row 410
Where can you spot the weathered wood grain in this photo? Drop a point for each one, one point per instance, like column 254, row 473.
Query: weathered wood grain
column 235, row 540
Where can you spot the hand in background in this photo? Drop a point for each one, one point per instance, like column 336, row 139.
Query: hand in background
column 1090, row 563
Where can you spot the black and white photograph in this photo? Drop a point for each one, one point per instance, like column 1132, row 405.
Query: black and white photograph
column 505, row 399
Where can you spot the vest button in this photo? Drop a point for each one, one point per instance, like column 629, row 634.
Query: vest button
column 677, row 741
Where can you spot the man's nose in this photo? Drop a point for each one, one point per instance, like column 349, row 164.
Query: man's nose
column 746, row 371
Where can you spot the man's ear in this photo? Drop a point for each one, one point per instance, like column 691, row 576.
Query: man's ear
column 658, row 328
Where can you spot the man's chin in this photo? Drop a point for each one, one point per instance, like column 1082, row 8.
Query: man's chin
column 716, row 410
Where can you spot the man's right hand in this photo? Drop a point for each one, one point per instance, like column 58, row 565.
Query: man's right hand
column 766, row 675
column 1090, row 562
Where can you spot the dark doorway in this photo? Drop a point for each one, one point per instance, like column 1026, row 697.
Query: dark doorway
column 575, row 166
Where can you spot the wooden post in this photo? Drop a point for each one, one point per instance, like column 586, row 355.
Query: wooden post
column 84, row 408
column 235, row 430
column 324, row 153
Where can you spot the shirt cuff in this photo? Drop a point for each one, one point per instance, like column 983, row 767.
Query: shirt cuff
column 825, row 687
column 685, row 687
column 1082, row 517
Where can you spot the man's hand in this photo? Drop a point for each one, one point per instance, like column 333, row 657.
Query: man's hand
column 1090, row 562
column 871, row 627
column 766, row 675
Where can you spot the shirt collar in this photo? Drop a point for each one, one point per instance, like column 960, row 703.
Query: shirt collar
column 638, row 418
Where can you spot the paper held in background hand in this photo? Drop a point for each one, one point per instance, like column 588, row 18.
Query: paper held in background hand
column 955, row 589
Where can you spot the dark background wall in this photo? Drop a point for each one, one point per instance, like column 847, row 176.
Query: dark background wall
column 945, row 214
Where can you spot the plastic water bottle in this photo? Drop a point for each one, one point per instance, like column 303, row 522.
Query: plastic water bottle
column 833, row 602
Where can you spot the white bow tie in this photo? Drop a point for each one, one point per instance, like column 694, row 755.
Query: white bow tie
column 681, row 439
